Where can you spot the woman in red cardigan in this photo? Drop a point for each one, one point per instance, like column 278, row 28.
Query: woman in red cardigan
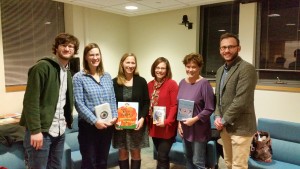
column 163, row 109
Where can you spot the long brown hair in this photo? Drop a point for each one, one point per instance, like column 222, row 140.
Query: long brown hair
column 121, row 79
column 86, row 67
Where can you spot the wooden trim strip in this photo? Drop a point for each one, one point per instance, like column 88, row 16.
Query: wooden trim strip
column 271, row 88
column 15, row 88
column 213, row 84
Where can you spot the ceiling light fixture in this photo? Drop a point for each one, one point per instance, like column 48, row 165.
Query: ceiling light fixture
column 131, row 7
column 290, row 24
column 221, row 30
column 273, row 15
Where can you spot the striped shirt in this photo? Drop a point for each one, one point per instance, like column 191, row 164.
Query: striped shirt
column 89, row 93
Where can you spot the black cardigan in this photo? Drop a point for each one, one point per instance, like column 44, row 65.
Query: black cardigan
column 140, row 94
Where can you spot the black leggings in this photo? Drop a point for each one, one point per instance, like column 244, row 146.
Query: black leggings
column 163, row 147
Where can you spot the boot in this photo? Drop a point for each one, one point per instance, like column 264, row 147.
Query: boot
column 124, row 164
column 135, row 164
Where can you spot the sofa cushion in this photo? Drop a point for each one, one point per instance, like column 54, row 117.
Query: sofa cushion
column 12, row 157
column 72, row 141
column 176, row 154
column 76, row 159
column 286, row 151
column 211, row 154
column 282, row 130
column 285, row 144
column 273, row 165
column 74, row 124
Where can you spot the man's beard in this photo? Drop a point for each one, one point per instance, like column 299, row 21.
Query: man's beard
column 235, row 55
column 65, row 58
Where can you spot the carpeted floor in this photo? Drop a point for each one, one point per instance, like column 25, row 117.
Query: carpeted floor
column 149, row 163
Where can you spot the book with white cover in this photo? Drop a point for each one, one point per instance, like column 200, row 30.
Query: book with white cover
column 103, row 113
column 185, row 109
column 159, row 114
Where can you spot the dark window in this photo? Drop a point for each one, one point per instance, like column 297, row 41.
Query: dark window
column 28, row 31
column 278, row 47
column 215, row 20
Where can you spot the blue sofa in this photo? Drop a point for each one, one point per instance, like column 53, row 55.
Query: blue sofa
column 72, row 157
column 12, row 157
column 11, row 146
column 176, row 154
column 285, row 139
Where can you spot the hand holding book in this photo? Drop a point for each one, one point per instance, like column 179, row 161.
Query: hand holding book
column 185, row 109
column 159, row 115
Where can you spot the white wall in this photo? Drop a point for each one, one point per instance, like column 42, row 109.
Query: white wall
column 109, row 31
column 160, row 35
column 151, row 36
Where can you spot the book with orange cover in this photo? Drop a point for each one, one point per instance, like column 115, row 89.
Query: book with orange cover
column 127, row 115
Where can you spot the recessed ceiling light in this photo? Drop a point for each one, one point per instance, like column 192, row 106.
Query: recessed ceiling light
column 131, row 7
column 273, row 15
column 290, row 24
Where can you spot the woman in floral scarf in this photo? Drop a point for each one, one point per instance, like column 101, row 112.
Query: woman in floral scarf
column 163, row 94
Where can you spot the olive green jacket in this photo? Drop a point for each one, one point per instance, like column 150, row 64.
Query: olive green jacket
column 41, row 96
column 237, row 98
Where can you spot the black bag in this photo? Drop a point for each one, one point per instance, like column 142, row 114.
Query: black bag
column 261, row 148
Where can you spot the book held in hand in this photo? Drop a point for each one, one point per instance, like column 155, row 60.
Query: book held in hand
column 103, row 113
column 127, row 115
column 185, row 109
column 159, row 114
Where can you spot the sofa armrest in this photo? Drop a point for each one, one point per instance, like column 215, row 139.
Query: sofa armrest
column 212, row 155
column 13, row 156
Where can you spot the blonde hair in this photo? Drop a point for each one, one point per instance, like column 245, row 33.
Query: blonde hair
column 121, row 79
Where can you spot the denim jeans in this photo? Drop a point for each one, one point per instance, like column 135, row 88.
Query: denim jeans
column 94, row 145
column 49, row 156
column 195, row 153
column 163, row 147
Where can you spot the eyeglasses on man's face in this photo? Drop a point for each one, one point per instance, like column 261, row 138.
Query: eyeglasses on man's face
column 230, row 47
column 69, row 46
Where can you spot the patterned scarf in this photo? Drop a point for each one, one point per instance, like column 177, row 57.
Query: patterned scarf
column 155, row 95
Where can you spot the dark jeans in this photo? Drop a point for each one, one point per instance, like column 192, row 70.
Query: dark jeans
column 49, row 156
column 163, row 147
column 94, row 145
column 195, row 153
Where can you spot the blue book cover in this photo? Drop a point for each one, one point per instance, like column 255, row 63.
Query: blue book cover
column 185, row 109
column 159, row 114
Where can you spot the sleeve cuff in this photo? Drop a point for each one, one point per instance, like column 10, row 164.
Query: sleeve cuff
column 223, row 121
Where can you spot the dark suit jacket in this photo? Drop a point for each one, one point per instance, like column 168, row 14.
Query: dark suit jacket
column 139, row 94
column 237, row 105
